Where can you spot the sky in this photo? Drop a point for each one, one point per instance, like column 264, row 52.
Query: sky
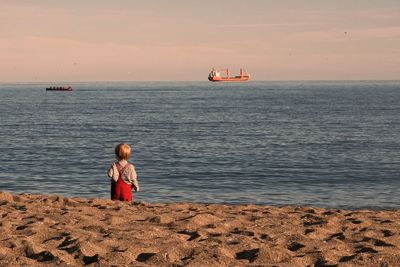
column 181, row 40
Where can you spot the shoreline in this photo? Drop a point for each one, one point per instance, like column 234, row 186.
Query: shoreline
column 137, row 201
column 41, row 229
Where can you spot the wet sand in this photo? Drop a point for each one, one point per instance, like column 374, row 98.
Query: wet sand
column 38, row 230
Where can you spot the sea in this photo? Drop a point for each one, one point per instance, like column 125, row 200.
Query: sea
column 330, row 144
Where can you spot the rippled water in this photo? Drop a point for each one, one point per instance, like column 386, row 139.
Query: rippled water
column 329, row 144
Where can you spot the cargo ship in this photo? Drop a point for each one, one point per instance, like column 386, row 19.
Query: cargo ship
column 59, row 88
column 215, row 76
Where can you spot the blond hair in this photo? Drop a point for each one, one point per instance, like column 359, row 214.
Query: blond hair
column 123, row 151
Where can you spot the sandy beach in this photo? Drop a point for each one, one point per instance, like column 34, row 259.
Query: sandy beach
column 37, row 230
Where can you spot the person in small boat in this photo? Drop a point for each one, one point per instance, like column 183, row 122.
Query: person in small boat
column 123, row 175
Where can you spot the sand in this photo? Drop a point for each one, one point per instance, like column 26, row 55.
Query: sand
column 39, row 230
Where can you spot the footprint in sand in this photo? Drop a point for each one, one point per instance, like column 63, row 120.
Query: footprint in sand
column 192, row 234
column 9, row 243
column 365, row 249
column 311, row 220
column 329, row 212
column 347, row 258
column 24, row 230
column 242, row 232
column 355, row 220
column 381, row 243
column 312, row 211
column 250, row 255
column 58, row 237
column 210, row 226
column 142, row 257
column 90, row 259
column 41, row 256
column 154, row 219
column 339, row 236
column 31, row 249
column 69, row 244
column 21, row 207
column 387, row 233
column 377, row 242
column 295, row 246
column 21, row 227
column 307, row 231
column 265, row 237
column 117, row 249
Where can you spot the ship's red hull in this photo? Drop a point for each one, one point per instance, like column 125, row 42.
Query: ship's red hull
column 229, row 79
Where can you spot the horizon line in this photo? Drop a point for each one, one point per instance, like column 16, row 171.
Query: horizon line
column 205, row 80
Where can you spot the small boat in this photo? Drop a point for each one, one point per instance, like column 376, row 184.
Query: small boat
column 215, row 76
column 59, row 88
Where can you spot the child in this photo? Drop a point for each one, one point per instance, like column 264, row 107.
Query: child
column 123, row 175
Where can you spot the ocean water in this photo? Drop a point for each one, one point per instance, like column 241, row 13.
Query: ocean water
column 326, row 144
